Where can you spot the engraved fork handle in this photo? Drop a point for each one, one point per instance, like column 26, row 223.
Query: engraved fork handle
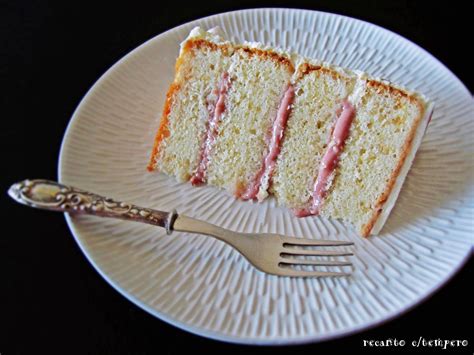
column 51, row 195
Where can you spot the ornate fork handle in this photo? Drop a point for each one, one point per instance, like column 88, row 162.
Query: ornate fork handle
column 54, row 196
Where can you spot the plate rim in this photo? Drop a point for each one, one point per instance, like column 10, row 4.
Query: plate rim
column 293, row 340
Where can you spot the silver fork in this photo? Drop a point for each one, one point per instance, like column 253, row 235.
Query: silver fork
column 271, row 253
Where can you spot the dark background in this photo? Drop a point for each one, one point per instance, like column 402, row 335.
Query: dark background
column 51, row 299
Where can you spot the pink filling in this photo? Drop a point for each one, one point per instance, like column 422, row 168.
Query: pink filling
column 268, row 165
column 330, row 159
column 215, row 112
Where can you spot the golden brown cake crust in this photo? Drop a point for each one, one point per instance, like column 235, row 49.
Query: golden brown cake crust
column 307, row 68
column 267, row 54
column 203, row 43
column 163, row 131
column 367, row 228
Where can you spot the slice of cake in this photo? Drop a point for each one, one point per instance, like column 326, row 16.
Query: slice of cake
column 324, row 140
column 386, row 131
column 348, row 145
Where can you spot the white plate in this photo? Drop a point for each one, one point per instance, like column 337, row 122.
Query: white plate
column 202, row 285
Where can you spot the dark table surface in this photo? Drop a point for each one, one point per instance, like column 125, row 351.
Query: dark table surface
column 51, row 299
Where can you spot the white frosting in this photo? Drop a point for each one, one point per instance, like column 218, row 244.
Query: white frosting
column 217, row 32
column 263, row 189
column 392, row 198
column 359, row 89
column 214, row 34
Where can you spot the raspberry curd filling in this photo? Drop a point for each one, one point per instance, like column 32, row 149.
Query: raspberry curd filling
column 330, row 158
column 216, row 109
column 274, row 146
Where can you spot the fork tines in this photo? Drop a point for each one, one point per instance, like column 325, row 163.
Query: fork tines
column 314, row 243
column 295, row 247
